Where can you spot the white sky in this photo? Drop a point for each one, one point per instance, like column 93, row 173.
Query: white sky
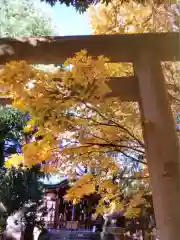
column 67, row 20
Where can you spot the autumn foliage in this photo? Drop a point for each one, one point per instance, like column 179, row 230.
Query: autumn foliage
column 75, row 126
column 71, row 126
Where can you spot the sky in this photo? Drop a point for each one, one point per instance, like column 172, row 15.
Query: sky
column 67, row 20
column 71, row 22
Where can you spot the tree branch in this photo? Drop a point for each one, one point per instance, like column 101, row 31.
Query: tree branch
column 117, row 124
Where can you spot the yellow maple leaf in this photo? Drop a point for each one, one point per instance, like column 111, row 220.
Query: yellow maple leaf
column 15, row 160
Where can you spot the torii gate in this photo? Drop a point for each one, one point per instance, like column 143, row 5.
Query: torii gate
column 147, row 87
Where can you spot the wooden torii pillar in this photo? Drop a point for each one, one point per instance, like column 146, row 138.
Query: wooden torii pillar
column 162, row 146
column 147, row 86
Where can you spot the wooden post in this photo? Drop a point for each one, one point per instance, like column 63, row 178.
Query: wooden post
column 162, row 147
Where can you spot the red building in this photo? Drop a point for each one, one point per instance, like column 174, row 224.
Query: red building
column 63, row 214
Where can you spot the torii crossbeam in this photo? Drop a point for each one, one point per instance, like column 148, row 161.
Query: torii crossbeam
column 147, row 87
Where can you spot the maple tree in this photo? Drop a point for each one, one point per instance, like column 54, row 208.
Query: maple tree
column 76, row 126
column 138, row 18
column 63, row 106
column 130, row 18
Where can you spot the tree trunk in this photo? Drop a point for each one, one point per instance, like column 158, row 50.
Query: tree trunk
column 28, row 233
